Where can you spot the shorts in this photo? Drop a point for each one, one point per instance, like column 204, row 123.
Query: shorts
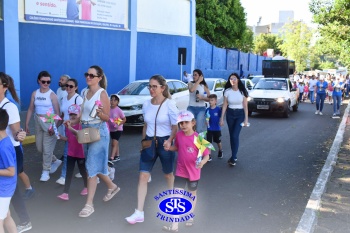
column 19, row 158
column 330, row 93
column 214, row 136
column 115, row 135
column 181, row 182
column 4, row 207
column 167, row 158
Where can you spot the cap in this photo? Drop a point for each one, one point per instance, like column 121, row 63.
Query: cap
column 115, row 96
column 185, row 116
column 74, row 109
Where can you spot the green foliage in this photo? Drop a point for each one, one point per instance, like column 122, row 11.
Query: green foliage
column 223, row 24
column 262, row 42
column 327, row 65
column 296, row 37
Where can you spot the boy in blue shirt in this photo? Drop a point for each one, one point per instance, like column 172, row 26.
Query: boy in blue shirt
column 213, row 114
column 8, row 177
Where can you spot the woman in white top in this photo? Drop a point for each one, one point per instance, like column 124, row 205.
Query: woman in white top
column 96, row 153
column 199, row 93
column 72, row 98
column 236, row 106
column 42, row 100
column 166, row 128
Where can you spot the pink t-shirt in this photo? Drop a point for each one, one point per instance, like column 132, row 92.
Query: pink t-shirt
column 187, row 156
column 74, row 148
column 306, row 88
column 115, row 113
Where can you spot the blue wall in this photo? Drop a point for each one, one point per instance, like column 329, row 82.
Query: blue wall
column 2, row 48
column 71, row 50
column 158, row 54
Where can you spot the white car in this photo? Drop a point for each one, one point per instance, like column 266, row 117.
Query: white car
column 255, row 78
column 248, row 84
column 136, row 93
column 216, row 86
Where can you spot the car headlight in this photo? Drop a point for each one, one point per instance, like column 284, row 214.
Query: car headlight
column 280, row 100
column 136, row 107
column 250, row 98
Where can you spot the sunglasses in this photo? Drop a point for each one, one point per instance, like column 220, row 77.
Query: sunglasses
column 90, row 75
column 70, row 86
column 233, row 79
column 44, row 82
column 153, row 87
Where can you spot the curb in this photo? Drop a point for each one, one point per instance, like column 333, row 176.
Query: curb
column 29, row 140
column 309, row 219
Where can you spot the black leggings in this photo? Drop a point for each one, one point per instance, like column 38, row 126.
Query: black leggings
column 70, row 169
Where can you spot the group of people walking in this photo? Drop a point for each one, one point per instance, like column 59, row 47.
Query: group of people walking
column 172, row 130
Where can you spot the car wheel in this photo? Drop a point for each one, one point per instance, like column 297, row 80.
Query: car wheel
column 295, row 107
column 250, row 113
column 286, row 112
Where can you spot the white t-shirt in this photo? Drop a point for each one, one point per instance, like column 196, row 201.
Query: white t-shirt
column 76, row 99
column 167, row 117
column 88, row 106
column 13, row 113
column 201, row 90
column 312, row 83
column 60, row 95
column 234, row 98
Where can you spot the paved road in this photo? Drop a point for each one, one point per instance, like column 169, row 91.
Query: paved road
column 279, row 161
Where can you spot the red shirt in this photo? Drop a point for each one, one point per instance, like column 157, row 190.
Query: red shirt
column 75, row 149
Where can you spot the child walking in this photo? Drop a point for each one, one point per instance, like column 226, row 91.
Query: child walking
column 115, row 127
column 187, row 171
column 8, row 177
column 306, row 92
column 213, row 112
column 75, row 152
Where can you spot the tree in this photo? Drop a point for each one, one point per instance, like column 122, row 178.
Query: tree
column 262, row 42
column 296, row 38
column 223, row 24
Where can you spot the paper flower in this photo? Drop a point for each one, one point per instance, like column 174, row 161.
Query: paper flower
column 116, row 120
column 202, row 144
column 50, row 118
column 98, row 103
column 207, row 118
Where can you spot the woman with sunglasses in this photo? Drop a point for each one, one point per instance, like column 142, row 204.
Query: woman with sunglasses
column 42, row 101
column 236, row 108
column 71, row 87
column 166, row 128
column 199, row 94
column 96, row 153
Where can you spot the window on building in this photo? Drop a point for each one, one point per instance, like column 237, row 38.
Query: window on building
column 1, row 13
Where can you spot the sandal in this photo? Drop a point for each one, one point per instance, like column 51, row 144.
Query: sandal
column 189, row 223
column 110, row 194
column 170, row 229
column 86, row 211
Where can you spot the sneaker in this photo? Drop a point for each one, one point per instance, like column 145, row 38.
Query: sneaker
column 55, row 165
column 45, row 176
column 24, row 227
column 232, row 163
column 61, row 181
column 321, row 113
column 78, row 175
column 220, row 154
column 210, row 159
column 317, row 112
column 116, row 158
column 64, row 196
column 137, row 216
column 29, row 193
column 111, row 173
column 84, row 192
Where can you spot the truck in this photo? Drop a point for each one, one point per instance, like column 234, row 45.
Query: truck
column 275, row 92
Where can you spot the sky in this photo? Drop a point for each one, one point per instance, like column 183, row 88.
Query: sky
column 269, row 10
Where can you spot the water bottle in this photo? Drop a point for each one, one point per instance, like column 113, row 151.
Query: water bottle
column 93, row 112
column 242, row 124
column 197, row 99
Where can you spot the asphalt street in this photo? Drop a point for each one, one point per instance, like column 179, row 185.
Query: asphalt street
column 278, row 164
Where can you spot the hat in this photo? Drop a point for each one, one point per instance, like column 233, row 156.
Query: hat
column 74, row 109
column 115, row 96
column 185, row 116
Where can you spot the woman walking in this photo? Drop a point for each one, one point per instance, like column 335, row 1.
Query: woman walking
column 236, row 108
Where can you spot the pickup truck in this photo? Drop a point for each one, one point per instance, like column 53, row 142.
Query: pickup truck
column 275, row 95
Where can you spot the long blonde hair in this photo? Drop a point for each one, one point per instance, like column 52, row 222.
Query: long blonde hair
column 100, row 73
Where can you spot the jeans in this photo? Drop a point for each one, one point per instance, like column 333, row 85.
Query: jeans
column 70, row 169
column 312, row 97
column 320, row 101
column 199, row 115
column 234, row 118
column 347, row 89
column 301, row 96
column 336, row 103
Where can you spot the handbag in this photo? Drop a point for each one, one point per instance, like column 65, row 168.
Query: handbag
column 88, row 135
column 148, row 151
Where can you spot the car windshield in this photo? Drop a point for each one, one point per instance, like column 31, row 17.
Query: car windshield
column 256, row 79
column 135, row 88
column 270, row 84
column 210, row 84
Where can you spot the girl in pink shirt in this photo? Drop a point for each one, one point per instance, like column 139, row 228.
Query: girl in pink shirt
column 75, row 151
column 306, row 91
column 187, row 170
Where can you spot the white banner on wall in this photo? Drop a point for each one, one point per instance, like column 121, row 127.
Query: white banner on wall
column 94, row 13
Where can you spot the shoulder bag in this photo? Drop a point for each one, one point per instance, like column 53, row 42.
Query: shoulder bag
column 148, row 151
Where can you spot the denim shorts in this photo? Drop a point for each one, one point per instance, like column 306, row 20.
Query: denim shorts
column 96, row 153
column 167, row 158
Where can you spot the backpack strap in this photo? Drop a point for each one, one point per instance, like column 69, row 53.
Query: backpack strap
column 4, row 104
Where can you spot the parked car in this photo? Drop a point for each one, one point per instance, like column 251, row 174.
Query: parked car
column 216, row 86
column 136, row 93
column 248, row 84
column 255, row 78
